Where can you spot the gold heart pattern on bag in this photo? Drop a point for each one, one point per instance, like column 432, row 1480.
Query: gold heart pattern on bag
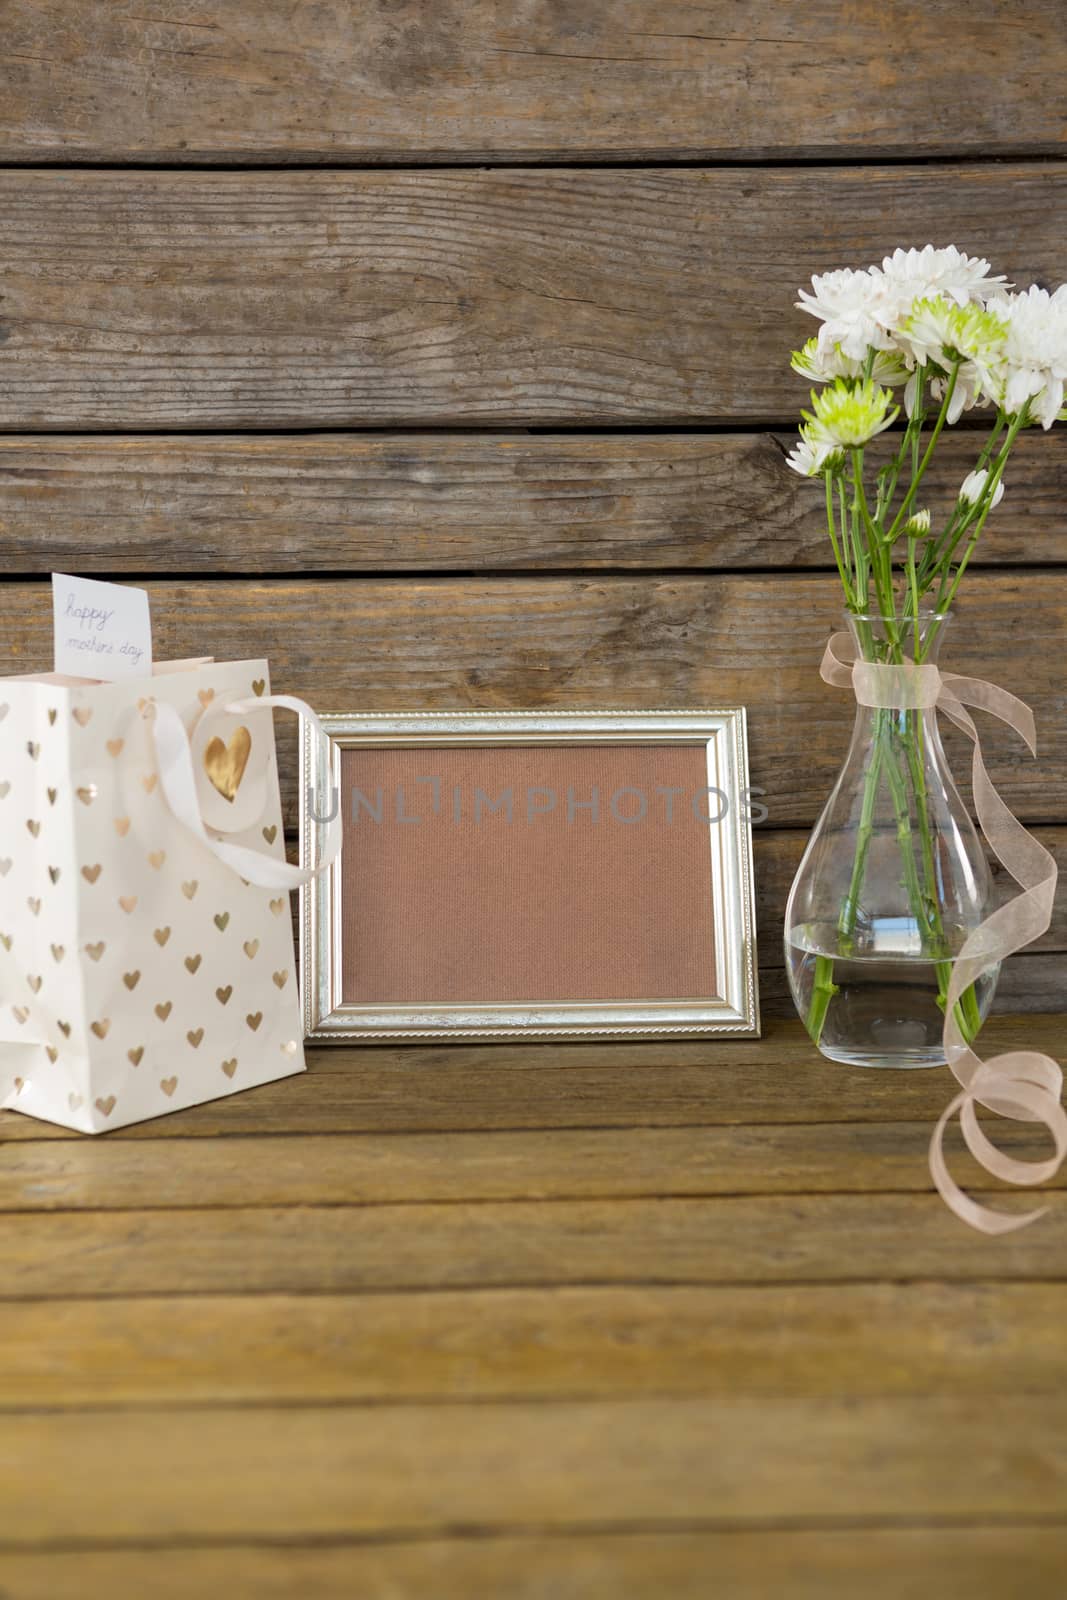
column 225, row 763
column 122, row 828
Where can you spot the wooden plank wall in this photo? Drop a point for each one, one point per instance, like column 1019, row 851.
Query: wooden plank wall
column 440, row 349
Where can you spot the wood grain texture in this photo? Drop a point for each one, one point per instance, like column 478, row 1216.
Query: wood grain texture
column 513, row 1244
column 424, row 502
column 972, row 1563
column 322, row 299
column 872, row 1339
column 375, row 1169
column 730, row 1083
column 613, row 642
column 236, row 80
column 146, row 1476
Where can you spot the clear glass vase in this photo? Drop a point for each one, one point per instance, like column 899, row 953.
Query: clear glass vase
column 893, row 880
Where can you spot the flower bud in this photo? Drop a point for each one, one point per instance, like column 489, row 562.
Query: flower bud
column 973, row 487
column 917, row 525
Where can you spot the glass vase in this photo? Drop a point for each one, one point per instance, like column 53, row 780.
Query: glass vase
column 893, row 880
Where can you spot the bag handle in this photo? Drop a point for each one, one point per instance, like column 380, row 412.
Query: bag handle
column 174, row 762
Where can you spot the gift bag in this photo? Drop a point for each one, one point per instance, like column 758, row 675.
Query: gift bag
column 146, row 945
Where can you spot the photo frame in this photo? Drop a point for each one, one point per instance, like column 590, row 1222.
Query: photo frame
column 566, row 874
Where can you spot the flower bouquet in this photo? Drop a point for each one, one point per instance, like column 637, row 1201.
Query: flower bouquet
column 891, row 957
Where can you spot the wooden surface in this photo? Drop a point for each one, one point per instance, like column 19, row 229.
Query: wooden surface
column 270, row 300
column 438, row 349
column 285, row 504
column 569, row 1320
column 252, row 80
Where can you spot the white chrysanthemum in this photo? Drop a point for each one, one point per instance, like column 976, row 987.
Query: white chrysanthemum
column 853, row 310
column 917, row 525
column 812, row 457
column 847, row 414
column 860, row 310
column 939, row 333
column 823, row 366
column 1035, row 352
column 973, row 487
column 910, row 275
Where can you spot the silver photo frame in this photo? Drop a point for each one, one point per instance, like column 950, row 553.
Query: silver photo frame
column 733, row 1007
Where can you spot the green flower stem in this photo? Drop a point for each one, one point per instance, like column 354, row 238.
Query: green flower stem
column 919, row 471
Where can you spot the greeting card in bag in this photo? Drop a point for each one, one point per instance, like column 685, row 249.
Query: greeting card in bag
column 146, row 948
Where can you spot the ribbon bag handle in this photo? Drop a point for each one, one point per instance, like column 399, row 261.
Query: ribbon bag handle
column 174, row 763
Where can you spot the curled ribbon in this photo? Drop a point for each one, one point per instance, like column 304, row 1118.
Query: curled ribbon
column 1024, row 1085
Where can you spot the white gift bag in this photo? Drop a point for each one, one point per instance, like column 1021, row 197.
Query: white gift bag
column 146, row 946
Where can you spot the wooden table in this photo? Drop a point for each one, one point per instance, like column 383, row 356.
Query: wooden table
column 645, row 1320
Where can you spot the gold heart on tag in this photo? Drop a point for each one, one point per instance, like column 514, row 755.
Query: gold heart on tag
column 64, row 1028
column 33, row 750
column 251, row 946
column 223, row 995
column 74, row 1101
column 122, row 826
column 87, row 794
column 52, row 1053
column 105, row 1107
column 5, row 866
column 194, row 1036
column 161, row 936
column 254, row 1019
column 95, row 951
column 163, row 1010
column 135, row 1055
column 54, row 874
column 90, row 874
column 222, row 921
column 156, row 858
column 128, row 902
column 189, row 889
column 131, row 979
column 115, row 747
column 192, row 963
column 168, row 1085
column 58, row 952
column 290, row 1047
column 52, row 715
column 271, row 833
column 225, row 764
column 230, row 1067
column 258, row 686
column 5, row 789
column 21, row 1014
column 34, row 983
column 7, row 940
column 149, row 783
column 53, row 795
column 34, row 827
column 34, row 905
column 101, row 1028
column 205, row 696
column 278, row 906
column 280, row 979
column 20, row 1084
column 83, row 715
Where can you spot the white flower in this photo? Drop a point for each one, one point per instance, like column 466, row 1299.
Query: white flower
column 811, row 458
column 824, row 365
column 852, row 308
column 1035, row 352
column 859, row 311
column 973, row 487
column 911, row 275
column 917, row 525
column 847, row 414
